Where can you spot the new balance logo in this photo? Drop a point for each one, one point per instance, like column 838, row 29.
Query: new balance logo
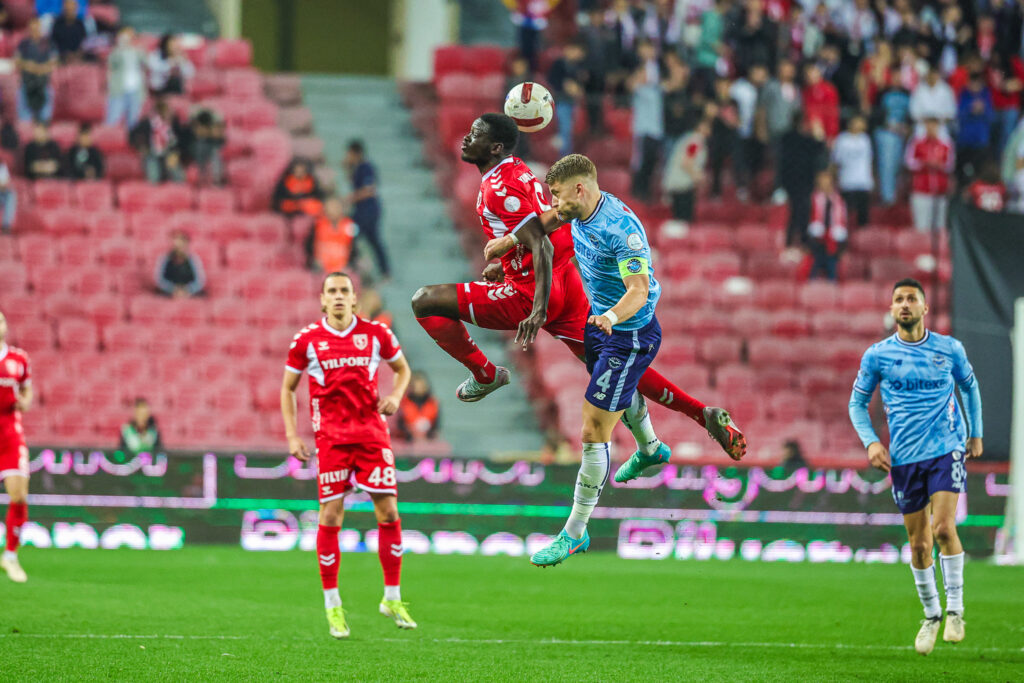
column 397, row 549
column 328, row 560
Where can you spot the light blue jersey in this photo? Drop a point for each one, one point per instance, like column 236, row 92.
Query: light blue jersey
column 610, row 245
column 917, row 383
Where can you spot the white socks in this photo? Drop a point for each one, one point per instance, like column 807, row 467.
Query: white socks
column 927, row 591
column 589, row 482
column 392, row 592
column 953, row 580
column 331, row 598
column 637, row 418
column 10, row 554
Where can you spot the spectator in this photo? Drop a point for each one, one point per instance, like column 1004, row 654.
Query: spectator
column 755, row 39
column 85, row 160
column 875, row 76
column 169, row 69
column 36, row 59
column 663, row 25
column 208, row 138
column 140, row 434
column 42, row 155
column 597, row 42
column 681, row 107
column 530, row 18
column 68, row 33
column 329, row 244
column 567, row 76
column 930, row 159
column 709, row 49
column 298, row 192
column 837, row 71
column 684, row 171
column 749, row 152
column 126, row 80
column 371, row 307
column 858, row 21
column 987, row 192
column 158, row 139
column 8, row 135
column 364, row 199
column 724, row 122
column 804, row 154
column 892, row 116
column 419, row 415
column 821, row 101
column 648, row 118
column 180, row 274
column 779, row 105
column 854, row 160
column 933, row 98
column 827, row 232
column 792, row 456
column 8, row 200
column 1006, row 80
column 975, row 116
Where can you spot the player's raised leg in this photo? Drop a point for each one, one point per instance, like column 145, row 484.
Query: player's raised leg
column 951, row 558
column 919, row 533
column 328, row 554
column 389, row 550
column 437, row 310
column 17, row 515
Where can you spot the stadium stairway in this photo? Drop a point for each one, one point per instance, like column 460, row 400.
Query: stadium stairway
column 424, row 249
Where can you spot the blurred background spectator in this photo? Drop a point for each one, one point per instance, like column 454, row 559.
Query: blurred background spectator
column 366, row 207
column 157, row 139
column 419, row 414
column 208, row 138
column 126, row 80
column 987, row 192
column 36, row 59
column 85, row 160
column 685, row 171
column 169, row 69
column 530, row 18
column 566, row 78
column 648, row 118
column 298, row 191
column 68, row 33
column 827, row 232
column 42, row 155
column 8, row 199
column 930, row 158
column 179, row 273
column 140, row 434
column 330, row 241
column 854, row 159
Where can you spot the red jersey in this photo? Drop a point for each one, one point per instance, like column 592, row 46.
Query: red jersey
column 342, row 368
column 987, row 196
column 510, row 195
column 14, row 374
column 931, row 161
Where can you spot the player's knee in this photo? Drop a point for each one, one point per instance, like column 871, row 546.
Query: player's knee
column 330, row 515
column 423, row 301
column 18, row 497
column 386, row 510
column 944, row 531
column 920, row 548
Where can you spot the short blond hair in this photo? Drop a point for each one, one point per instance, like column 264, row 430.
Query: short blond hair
column 571, row 166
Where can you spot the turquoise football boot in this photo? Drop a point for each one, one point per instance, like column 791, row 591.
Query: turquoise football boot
column 638, row 462
column 560, row 549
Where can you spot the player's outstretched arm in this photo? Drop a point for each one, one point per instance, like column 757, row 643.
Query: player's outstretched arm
column 388, row 405
column 543, row 253
column 546, row 223
column 296, row 447
column 633, row 300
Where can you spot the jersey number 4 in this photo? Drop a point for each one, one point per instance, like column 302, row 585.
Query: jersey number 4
column 382, row 477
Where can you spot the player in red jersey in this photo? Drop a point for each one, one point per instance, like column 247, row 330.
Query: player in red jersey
column 15, row 398
column 341, row 354
column 535, row 287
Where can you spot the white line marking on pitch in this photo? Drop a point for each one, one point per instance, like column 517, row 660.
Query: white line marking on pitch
column 524, row 641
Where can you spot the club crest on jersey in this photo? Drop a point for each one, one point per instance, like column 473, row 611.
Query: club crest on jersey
column 359, row 341
column 614, row 363
column 512, row 204
column 389, row 456
column 939, row 361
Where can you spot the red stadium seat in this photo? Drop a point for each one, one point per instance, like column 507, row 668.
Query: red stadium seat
column 862, row 296
column 13, row 279
column 52, row 194
column 135, row 196
column 758, row 238
column 311, row 148
column 295, row 120
column 710, row 239
column 77, row 334
column 31, row 335
column 110, row 139
column 227, row 53
column 775, row 294
column 735, row 377
column 284, row 89
column 789, row 324
column 61, row 222
column 172, row 197
column 873, row 241
column 770, row 266
column 818, row 295
column 94, row 195
column 124, row 166
column 720, row 267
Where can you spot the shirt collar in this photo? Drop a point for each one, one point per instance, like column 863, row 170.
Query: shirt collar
column 927, row 334
column 597, row 210
column 343, row 333
column 506, row 160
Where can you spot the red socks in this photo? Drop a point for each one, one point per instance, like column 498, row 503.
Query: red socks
column 328, row 555
column 451, row 335
column 657, row 388
column 389, row 548
column 17, row 514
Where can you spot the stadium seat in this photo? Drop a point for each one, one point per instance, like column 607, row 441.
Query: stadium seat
column 110, row 140
column 172, row 197
column 786, row 406
column 124, row 166
column 37, row 335
column 789, row 324
column 242, row 83
column 295, row 120
column 93, row 195
column 720, row 349
column 818, row 295
column 63, row 221
column 228, row 54
column 13, row 279
column 52, row 194
column 719, row 267
column 861, row 296
column 77, row 334
column 775, row 294
column 284, row 89
column 311, row 148
column 259, row 115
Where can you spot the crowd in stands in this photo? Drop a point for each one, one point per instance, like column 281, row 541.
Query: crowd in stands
column 903, row 101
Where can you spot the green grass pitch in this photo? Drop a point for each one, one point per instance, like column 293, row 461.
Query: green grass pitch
column 216, row 613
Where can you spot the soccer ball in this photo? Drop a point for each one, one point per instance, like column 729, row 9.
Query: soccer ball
column 530, row 105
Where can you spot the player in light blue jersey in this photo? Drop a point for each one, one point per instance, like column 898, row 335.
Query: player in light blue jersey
column 918, row 371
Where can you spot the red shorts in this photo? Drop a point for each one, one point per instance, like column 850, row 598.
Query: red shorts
column 342, row 466
column 13, row 453
column 503, row 305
